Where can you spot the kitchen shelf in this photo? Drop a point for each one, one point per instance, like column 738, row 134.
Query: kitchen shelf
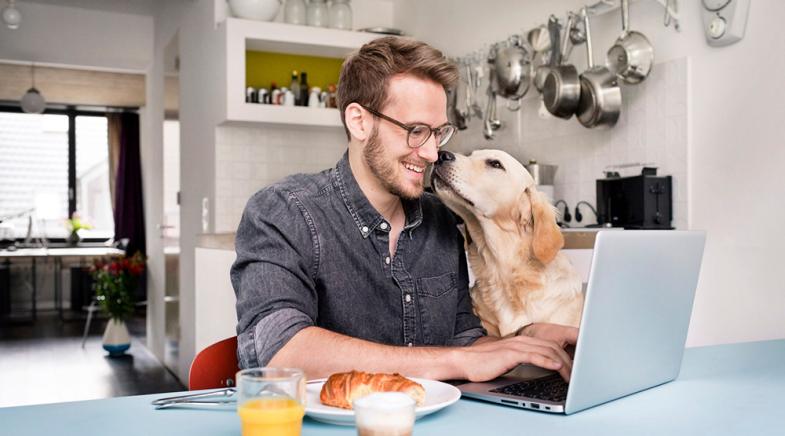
column 248, row 35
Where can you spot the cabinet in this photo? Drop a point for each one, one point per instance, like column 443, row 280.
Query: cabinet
column 247, row 35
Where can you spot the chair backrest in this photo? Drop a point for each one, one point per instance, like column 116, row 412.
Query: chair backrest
column 215, row 366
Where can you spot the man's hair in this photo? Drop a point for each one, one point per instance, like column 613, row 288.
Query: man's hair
column 365, row 73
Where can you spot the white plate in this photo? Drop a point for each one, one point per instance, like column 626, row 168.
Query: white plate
column 438, row 395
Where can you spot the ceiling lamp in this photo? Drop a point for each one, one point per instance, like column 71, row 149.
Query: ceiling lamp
column 33, row 102
column 11, row 15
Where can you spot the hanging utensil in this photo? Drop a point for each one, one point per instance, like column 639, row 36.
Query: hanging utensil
column 632, row 55
column 491, row 123
column 562, row 88
column 539, row 39
column 511, row 70
column 453, row 114
column 600, row 101
column 555, row 58
column 577, row 33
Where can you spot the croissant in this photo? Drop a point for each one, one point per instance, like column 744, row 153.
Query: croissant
column 342, row 388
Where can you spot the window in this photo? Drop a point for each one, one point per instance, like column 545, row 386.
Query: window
column 37, row 154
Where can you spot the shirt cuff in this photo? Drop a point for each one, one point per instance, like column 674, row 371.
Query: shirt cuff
column 467, row 337
column 257, row 345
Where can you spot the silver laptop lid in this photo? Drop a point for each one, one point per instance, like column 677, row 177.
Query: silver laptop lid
column 637, row 311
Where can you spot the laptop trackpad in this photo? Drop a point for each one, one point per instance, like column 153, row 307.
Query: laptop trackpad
column 527, row 372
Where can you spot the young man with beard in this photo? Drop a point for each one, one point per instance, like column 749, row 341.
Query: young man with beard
column 355, row 267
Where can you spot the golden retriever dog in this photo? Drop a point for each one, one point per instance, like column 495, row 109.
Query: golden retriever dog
column 512, row 242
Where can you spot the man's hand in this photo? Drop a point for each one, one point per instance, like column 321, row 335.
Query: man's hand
column 562, row 335
column 487, row 360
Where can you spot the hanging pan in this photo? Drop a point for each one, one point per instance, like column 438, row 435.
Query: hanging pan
column 600, row 100
column 632, row 55
column 561, row 88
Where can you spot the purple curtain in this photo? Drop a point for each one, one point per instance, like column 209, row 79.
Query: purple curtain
column 128, row 208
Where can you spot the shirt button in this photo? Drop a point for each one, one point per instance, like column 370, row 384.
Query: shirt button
column 387, row 260
column 408, row 298
column 365, row 229
column 409, row 344
column 383, row 225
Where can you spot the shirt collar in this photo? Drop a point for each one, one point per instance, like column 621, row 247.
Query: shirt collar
column 365, row 216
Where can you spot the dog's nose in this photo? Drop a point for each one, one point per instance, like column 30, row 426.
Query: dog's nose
column 445, row 156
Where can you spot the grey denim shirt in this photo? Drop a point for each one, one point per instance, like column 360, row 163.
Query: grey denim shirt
column 312, row 251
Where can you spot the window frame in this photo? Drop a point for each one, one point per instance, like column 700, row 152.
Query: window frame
column 72, row 112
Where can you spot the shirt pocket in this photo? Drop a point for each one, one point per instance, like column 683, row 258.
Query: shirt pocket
column 438, row 305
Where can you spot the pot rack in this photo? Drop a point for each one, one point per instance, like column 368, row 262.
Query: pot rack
column 671, row 8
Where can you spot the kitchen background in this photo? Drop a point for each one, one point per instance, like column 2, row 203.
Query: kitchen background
column 710, row 117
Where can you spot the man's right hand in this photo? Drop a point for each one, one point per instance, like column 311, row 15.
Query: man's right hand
column 492, row 358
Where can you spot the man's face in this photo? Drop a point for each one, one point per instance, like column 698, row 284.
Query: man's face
column 398, row 167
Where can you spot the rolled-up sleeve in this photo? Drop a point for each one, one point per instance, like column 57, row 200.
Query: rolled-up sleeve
column 273, row 275
column 468, row 327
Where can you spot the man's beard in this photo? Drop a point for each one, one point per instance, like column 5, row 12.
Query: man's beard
column 384, row 169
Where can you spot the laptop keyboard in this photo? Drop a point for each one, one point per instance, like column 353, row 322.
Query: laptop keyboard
column 549, row 388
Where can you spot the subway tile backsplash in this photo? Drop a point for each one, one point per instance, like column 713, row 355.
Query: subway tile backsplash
column 250, row 158
column 652, row 128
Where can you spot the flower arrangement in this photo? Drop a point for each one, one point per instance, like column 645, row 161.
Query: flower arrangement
column 74, row 224
column 114, row 283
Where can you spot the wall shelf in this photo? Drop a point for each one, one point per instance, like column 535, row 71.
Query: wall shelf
column 243, row 35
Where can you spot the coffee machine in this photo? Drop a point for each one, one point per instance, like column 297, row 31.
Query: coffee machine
column 644, row 201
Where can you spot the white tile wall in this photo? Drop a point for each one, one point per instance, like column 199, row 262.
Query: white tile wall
column 652, row 128
column 250, row 158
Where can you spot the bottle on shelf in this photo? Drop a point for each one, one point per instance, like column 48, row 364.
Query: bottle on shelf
column 341, row 15
column 304, row 88
column 317, row 13
column 295, row 86
column 294, row 12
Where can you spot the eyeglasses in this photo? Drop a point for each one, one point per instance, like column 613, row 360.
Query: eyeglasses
column 418, row 134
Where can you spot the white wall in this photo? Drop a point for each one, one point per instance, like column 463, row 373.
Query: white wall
column 62, row 35
column 734, row 132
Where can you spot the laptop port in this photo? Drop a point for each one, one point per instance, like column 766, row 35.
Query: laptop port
column 514, row 403
column 535, row 406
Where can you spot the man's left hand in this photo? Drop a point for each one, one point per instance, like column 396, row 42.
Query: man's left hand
column 563, row 335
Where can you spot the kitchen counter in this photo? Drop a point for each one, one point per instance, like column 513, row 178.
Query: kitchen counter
column 217, row 241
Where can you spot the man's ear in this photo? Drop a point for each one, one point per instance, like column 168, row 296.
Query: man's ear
column 547, row 239
column 358, row 122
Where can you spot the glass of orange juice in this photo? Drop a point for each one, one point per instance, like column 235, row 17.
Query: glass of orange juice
column 271, row 401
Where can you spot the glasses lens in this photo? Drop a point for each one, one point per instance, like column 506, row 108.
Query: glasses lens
column 444, row 134
column 418, row 135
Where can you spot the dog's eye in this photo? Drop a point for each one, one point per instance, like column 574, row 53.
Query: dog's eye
column 493, row 163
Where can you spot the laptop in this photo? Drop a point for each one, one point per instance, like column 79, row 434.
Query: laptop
column 633, row 328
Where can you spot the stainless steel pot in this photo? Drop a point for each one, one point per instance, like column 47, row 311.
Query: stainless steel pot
column 561, row 89
column 632, row 55
column 600, row 101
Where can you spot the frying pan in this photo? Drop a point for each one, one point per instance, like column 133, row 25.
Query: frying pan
column 555, row 57
column 632, row 54
column 600, row 100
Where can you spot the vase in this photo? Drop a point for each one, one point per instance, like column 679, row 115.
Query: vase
column 116, row 339
column 73, row 239
column 294, row 11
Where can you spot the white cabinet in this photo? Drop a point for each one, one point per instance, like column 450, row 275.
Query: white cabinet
column 215, row 317
column 243, row 35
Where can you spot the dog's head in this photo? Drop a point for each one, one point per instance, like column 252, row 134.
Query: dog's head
column 495, row 190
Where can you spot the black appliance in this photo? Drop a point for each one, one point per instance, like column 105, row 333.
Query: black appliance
column 637, row 202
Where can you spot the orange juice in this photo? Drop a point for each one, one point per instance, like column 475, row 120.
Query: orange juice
column 271, row 417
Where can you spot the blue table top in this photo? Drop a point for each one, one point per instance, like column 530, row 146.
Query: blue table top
column 736, row 389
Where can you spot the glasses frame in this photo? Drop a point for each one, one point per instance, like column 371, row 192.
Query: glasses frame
column 410, row 127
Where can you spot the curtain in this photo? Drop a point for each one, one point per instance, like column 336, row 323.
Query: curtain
column 128, row 206
column 114, row 127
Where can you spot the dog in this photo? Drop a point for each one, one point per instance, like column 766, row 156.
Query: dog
column 512, row 241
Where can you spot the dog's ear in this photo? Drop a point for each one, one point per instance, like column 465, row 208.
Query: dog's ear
column 547, row 239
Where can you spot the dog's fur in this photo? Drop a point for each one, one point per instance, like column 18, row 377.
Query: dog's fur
column 512, row 242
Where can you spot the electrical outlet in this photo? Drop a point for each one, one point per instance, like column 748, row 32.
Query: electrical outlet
column 724, row 21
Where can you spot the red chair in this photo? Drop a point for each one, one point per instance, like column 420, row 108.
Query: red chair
column 215, row 366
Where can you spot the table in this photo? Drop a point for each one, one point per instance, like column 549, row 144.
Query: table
column 57, row 254
column 722, row 390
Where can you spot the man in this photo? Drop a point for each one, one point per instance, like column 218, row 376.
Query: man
column 356, row 268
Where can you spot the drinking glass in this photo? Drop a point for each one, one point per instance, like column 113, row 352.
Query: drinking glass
column 271, row 401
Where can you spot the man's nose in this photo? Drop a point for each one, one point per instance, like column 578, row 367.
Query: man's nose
column 429, row 150
column 445, row 156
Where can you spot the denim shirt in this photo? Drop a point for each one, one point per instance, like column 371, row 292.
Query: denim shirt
column 312, row 251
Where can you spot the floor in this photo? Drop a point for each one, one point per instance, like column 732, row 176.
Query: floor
column 44, row 362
